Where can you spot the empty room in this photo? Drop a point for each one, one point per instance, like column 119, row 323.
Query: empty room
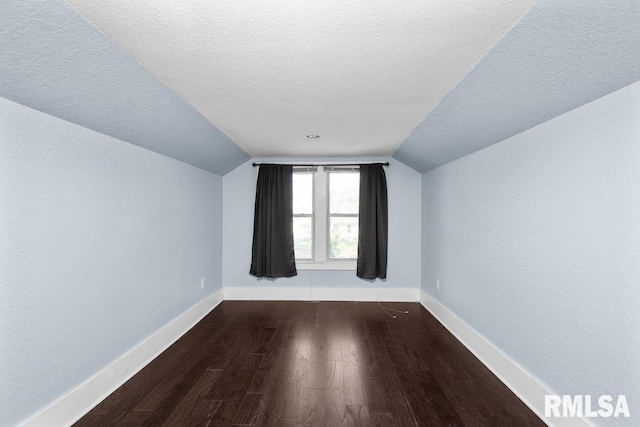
column 319, row 213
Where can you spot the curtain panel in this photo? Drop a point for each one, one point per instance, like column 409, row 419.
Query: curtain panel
column 272, row 254
column 373, row 227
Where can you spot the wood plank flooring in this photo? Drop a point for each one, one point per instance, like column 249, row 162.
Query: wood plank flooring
column 314, row 364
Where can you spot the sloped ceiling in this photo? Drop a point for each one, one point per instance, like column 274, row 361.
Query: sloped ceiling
column 360, row 74
column 560, row 55
column 53, row 60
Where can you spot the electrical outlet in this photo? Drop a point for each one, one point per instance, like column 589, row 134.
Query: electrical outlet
column 202, row 283
column 438, row 284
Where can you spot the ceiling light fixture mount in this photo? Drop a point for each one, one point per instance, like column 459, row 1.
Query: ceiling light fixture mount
column 312, row 136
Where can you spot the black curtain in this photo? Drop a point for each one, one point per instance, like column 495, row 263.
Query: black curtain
column 272, row 253
column 373, row 228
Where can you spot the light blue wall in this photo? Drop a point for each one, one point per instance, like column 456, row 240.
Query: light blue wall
column 101, row 244
column 404, row 231
column 536, row 242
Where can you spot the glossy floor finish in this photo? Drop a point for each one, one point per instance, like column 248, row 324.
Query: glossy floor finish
column 325, row 364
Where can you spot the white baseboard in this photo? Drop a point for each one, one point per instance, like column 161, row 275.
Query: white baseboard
column 75, row 404
column 300, row 293
column 528, row 388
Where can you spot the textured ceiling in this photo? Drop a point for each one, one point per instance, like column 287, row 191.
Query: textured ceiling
column 53, row 60
column 360, row 74
column 562, row 54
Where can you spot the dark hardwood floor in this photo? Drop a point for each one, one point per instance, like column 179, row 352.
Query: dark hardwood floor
column 327, row 363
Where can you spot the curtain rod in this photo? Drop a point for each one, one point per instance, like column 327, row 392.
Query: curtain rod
column 321, row 164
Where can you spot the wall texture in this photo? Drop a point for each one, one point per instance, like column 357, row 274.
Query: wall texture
column 101, row 244
column 56, row 62
column 559, row 56
column 404, row 231
column 536, row 243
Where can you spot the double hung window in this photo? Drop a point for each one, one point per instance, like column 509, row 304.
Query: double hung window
column 325, row 217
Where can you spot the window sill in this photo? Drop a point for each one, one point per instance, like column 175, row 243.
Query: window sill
column 336, row 265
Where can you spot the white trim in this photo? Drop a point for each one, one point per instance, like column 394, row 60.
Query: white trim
column 306, row 293
column 525, row 386
column 75, row 404
column 331, row 265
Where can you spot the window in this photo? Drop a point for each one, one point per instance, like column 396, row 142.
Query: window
column 303, row 215
column 344, row 187
column 325, row 217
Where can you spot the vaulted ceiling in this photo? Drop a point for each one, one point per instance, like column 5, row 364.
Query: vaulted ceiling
column 53, row 60
column 208, row 82
column 562, row 54
column 361, row 75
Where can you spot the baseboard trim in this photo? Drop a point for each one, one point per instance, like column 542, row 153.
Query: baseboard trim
column 301, row 293
column 75, row 404
column 524, row 385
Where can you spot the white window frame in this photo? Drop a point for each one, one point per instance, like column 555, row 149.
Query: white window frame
column 320, row 250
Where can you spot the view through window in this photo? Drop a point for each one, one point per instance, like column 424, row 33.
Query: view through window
column 344, row 190
column 303, row 215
